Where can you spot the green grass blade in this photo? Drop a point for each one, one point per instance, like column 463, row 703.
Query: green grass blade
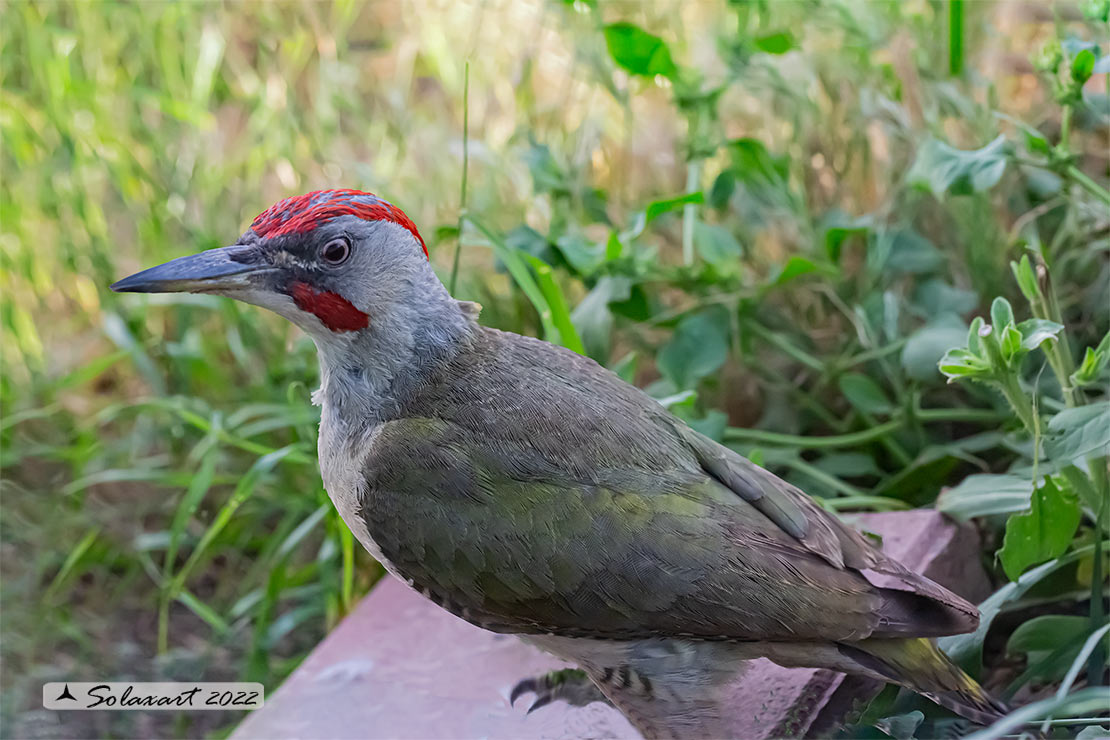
column 560, row 315
column 1093, row 642
column 297, row 535
column 347, row 550
column 242, row 492
column 462, row 187
column 72, row 559
column 1087, row 701
column 116, row 330
column 205, row 612
column 955, row 37
column 522, row 276
column 186, row 508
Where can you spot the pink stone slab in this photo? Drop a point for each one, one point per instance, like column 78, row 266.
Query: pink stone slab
column 400, row 667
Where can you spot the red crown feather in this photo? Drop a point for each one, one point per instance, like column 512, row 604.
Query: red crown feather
column 306, row 212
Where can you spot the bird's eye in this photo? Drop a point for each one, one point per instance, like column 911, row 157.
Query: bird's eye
column 336, row 251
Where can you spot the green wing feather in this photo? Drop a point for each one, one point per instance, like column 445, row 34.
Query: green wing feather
column 823, row 534
column 531, row 491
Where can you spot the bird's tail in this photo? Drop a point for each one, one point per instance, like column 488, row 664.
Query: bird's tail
column 920, row 666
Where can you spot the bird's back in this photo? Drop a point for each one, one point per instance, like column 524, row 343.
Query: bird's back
column 529, row 490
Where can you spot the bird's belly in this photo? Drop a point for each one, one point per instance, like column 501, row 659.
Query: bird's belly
column 343, row 478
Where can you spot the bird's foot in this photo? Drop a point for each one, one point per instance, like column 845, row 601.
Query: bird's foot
column 571, row 685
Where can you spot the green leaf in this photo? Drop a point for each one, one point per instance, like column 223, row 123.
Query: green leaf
column 1048, row 632
column 778, row 42
column 1083, row 66
column 934, row 297
column 614, row 247
column 698, row 348
column 990, row 344
column 1094, row 362
column 1079, row 432
column 722, row 189
column 1083, row 703
column 962, row 648
column 548, row 176
column 1011, row 343
column 1034, row 332
column 1095, row 10
column 864, row 394
column 839, row 228
column 677, row 402
column 901, row 726
column 593, row 317
column 526, row 239
column 1002, row 314
column 657, row 208
column 960, row 363
column 717, row 246
column 584, row 256
column 942, row 169
column 1088, row 370
column 752, row 161
column 985, row 494
column 848, row 464
column 637, row 305
column 1026, row 277
column 712, row 425
column 794, row 268
column 927, row 346
column 1035, row 142
column 1042, row 533
column 638, row 51
column 909, row 253
column 974, row 336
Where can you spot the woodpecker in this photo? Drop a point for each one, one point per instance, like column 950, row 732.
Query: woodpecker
column 530, row 491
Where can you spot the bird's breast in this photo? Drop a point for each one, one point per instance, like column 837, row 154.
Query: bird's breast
column 343, row 470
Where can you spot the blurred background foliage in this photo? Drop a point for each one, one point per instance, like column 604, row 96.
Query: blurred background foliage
column 776, row 217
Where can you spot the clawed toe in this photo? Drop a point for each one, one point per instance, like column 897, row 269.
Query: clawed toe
column 570, row 685
column 528, row 685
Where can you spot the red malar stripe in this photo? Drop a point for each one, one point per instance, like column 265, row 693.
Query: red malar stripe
column 333, row 310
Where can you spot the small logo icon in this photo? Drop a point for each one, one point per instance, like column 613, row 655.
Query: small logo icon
column 66, row 695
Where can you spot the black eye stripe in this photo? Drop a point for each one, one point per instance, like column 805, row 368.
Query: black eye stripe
column 336, row 251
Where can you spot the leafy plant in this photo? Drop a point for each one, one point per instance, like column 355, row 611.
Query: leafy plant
column 1065, row 483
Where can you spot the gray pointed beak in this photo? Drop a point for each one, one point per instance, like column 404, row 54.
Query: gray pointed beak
column 213, row 271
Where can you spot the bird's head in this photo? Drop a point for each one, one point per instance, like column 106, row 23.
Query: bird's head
column 328, row 261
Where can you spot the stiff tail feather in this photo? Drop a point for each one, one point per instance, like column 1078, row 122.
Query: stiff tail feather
column 918, row 665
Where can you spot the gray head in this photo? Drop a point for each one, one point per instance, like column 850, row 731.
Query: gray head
column 347, row 267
